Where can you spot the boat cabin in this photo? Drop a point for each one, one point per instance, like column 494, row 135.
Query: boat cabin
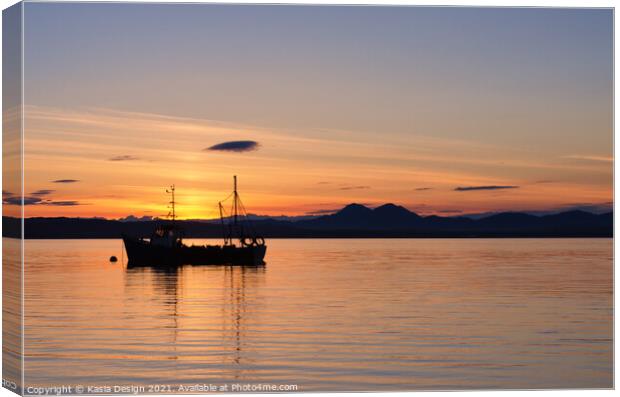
column 166, row 236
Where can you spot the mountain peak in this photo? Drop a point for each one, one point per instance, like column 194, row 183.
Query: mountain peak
column 391, row 209
column 388, row 206
column 355, row 205
column 577, row 213
column 354, row 208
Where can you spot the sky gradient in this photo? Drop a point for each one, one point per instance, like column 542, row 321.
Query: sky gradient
column 442, row 110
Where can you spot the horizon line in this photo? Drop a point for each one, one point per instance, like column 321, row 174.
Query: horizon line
column 146, row 218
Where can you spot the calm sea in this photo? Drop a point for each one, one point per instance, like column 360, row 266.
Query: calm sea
column 327, row 314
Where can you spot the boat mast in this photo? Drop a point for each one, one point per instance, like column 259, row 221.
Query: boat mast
column 226, row 239
column 172, row 203
column 236, row 198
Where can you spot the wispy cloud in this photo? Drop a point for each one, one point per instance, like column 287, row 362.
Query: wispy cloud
column 582, row 157
column 42, row 192
column 421, row 189
column 491, row 187
column 124, row 157
column 235, row 146
column 355, row 187
column 65, row 181
column 323, row 212
column 65, row 203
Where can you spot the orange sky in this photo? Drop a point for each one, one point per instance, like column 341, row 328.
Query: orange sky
column 122, row 163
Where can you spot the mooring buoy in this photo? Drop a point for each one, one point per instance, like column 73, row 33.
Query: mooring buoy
column 113, row 259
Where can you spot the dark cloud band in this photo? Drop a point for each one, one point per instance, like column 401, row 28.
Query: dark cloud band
column 355, row 187
column 65, row 203
column 235, row 146
column 38, row 200
column 42, row 192
column 493, row 187
column 124, row 157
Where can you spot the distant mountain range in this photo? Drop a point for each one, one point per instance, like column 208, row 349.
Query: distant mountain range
column 354, row 220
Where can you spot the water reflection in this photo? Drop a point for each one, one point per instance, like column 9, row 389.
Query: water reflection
column 164, row 284
column 234, row 310
column 367, row 315
column 183, row 296
column 12, row 314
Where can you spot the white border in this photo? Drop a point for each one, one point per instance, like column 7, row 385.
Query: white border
column 475, row 3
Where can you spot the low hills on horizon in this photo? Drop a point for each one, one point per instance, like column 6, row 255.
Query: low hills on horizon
column 354, row 220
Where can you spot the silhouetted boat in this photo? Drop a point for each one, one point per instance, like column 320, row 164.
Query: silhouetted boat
column 165, row 246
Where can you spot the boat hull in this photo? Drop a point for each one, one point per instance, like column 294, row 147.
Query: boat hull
column 142, row 253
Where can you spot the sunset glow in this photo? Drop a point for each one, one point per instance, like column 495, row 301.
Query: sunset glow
column 287, row 175
column 311, row 122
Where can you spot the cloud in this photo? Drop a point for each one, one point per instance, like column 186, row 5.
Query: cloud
column 28, row 200
column 323, row 212
column 492, row 187
column 450, row 211
column 36, row 199
column 235, row 146
column 42, row 192
column 604, row 159
column 419, row 189
column 16, row 200
column 124, row 157
column 67, row 203
column 354, row 187
column 65, row 181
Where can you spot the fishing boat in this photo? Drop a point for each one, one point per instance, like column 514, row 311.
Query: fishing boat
column 165, row 247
